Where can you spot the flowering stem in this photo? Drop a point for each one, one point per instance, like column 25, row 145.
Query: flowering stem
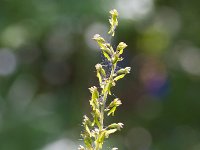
column 95, row 132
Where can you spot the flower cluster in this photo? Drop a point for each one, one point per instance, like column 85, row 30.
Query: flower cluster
column 95, row 132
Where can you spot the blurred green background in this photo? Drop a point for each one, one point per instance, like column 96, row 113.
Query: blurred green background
column 47, row 63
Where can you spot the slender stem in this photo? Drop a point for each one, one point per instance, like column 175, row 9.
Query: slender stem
column 104, row 105
column 105, row 96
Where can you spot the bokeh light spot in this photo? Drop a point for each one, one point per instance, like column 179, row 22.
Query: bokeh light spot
column 8, row 62
column 190, row 60
column 22, row 92
column 134, row 9
column 14, row 36
column 59, row 42
column 167, row 19
column 92, row 30
column 139, row 139
column 62, row 144
column 153, row 41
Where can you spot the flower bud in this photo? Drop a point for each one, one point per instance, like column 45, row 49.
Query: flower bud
column 124, row 70
column 121, row 47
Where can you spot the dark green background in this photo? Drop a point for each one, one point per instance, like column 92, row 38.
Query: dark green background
column 47, row 61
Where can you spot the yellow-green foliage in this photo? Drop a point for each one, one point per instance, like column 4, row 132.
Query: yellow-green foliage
column 95, row 131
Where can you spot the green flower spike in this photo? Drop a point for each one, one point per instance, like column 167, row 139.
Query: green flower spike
column 95, row 131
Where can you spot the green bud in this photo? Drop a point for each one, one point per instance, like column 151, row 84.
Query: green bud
column 110, row 48
column 115, row 102
column 113, row 21
column 117, row 126
column 115, row 58
column 113, row 106
column 105, row 47
column 100, row 69
column 95, row 93
column 98, row 38
column 107, row 87
column 86, row 121
column 121, row 47
column 121, row 73
column 94, row 98
column 96, row 115
column 114, row 13
column 124, row 70
column 112, row 111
